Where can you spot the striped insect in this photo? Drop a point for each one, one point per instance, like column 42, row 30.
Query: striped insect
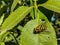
column 40, row 28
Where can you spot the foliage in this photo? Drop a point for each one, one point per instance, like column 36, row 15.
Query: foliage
column 19, row 18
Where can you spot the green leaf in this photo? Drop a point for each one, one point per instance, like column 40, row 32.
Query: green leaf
column 53, row 5
column 15, row 40
column 2, row 43
column 1, row 19
column 14, row 18
column 32, row 11
column 14, row 4
column 46, row 37
column 3, row 4
column 2, row 37
column 20, row 27
column 3, row 9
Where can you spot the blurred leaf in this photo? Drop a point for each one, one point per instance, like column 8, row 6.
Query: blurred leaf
column 14, row 4
column 3, row 4
column 2, row 43
column 58, row 21
column 1, row 19
column 2, row 37
column 14, row 18
column 53, row 5
column 3, row 9
column 8, row 38
column 46, row 37
column 32, row 13
column 14, row 38
column 20, row 27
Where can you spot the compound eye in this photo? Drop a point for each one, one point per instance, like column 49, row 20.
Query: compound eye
column 36, row 31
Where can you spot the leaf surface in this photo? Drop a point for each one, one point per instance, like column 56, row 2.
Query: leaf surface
column 53, row 5
column 14, row 18
column 46, row 37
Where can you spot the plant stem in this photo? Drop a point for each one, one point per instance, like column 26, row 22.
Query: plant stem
column 35, row 3
column 35, row 8
column 14, row 38
column 36, row 13
column 32, row 11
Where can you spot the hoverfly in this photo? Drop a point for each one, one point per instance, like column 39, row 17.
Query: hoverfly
column 40, row 28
